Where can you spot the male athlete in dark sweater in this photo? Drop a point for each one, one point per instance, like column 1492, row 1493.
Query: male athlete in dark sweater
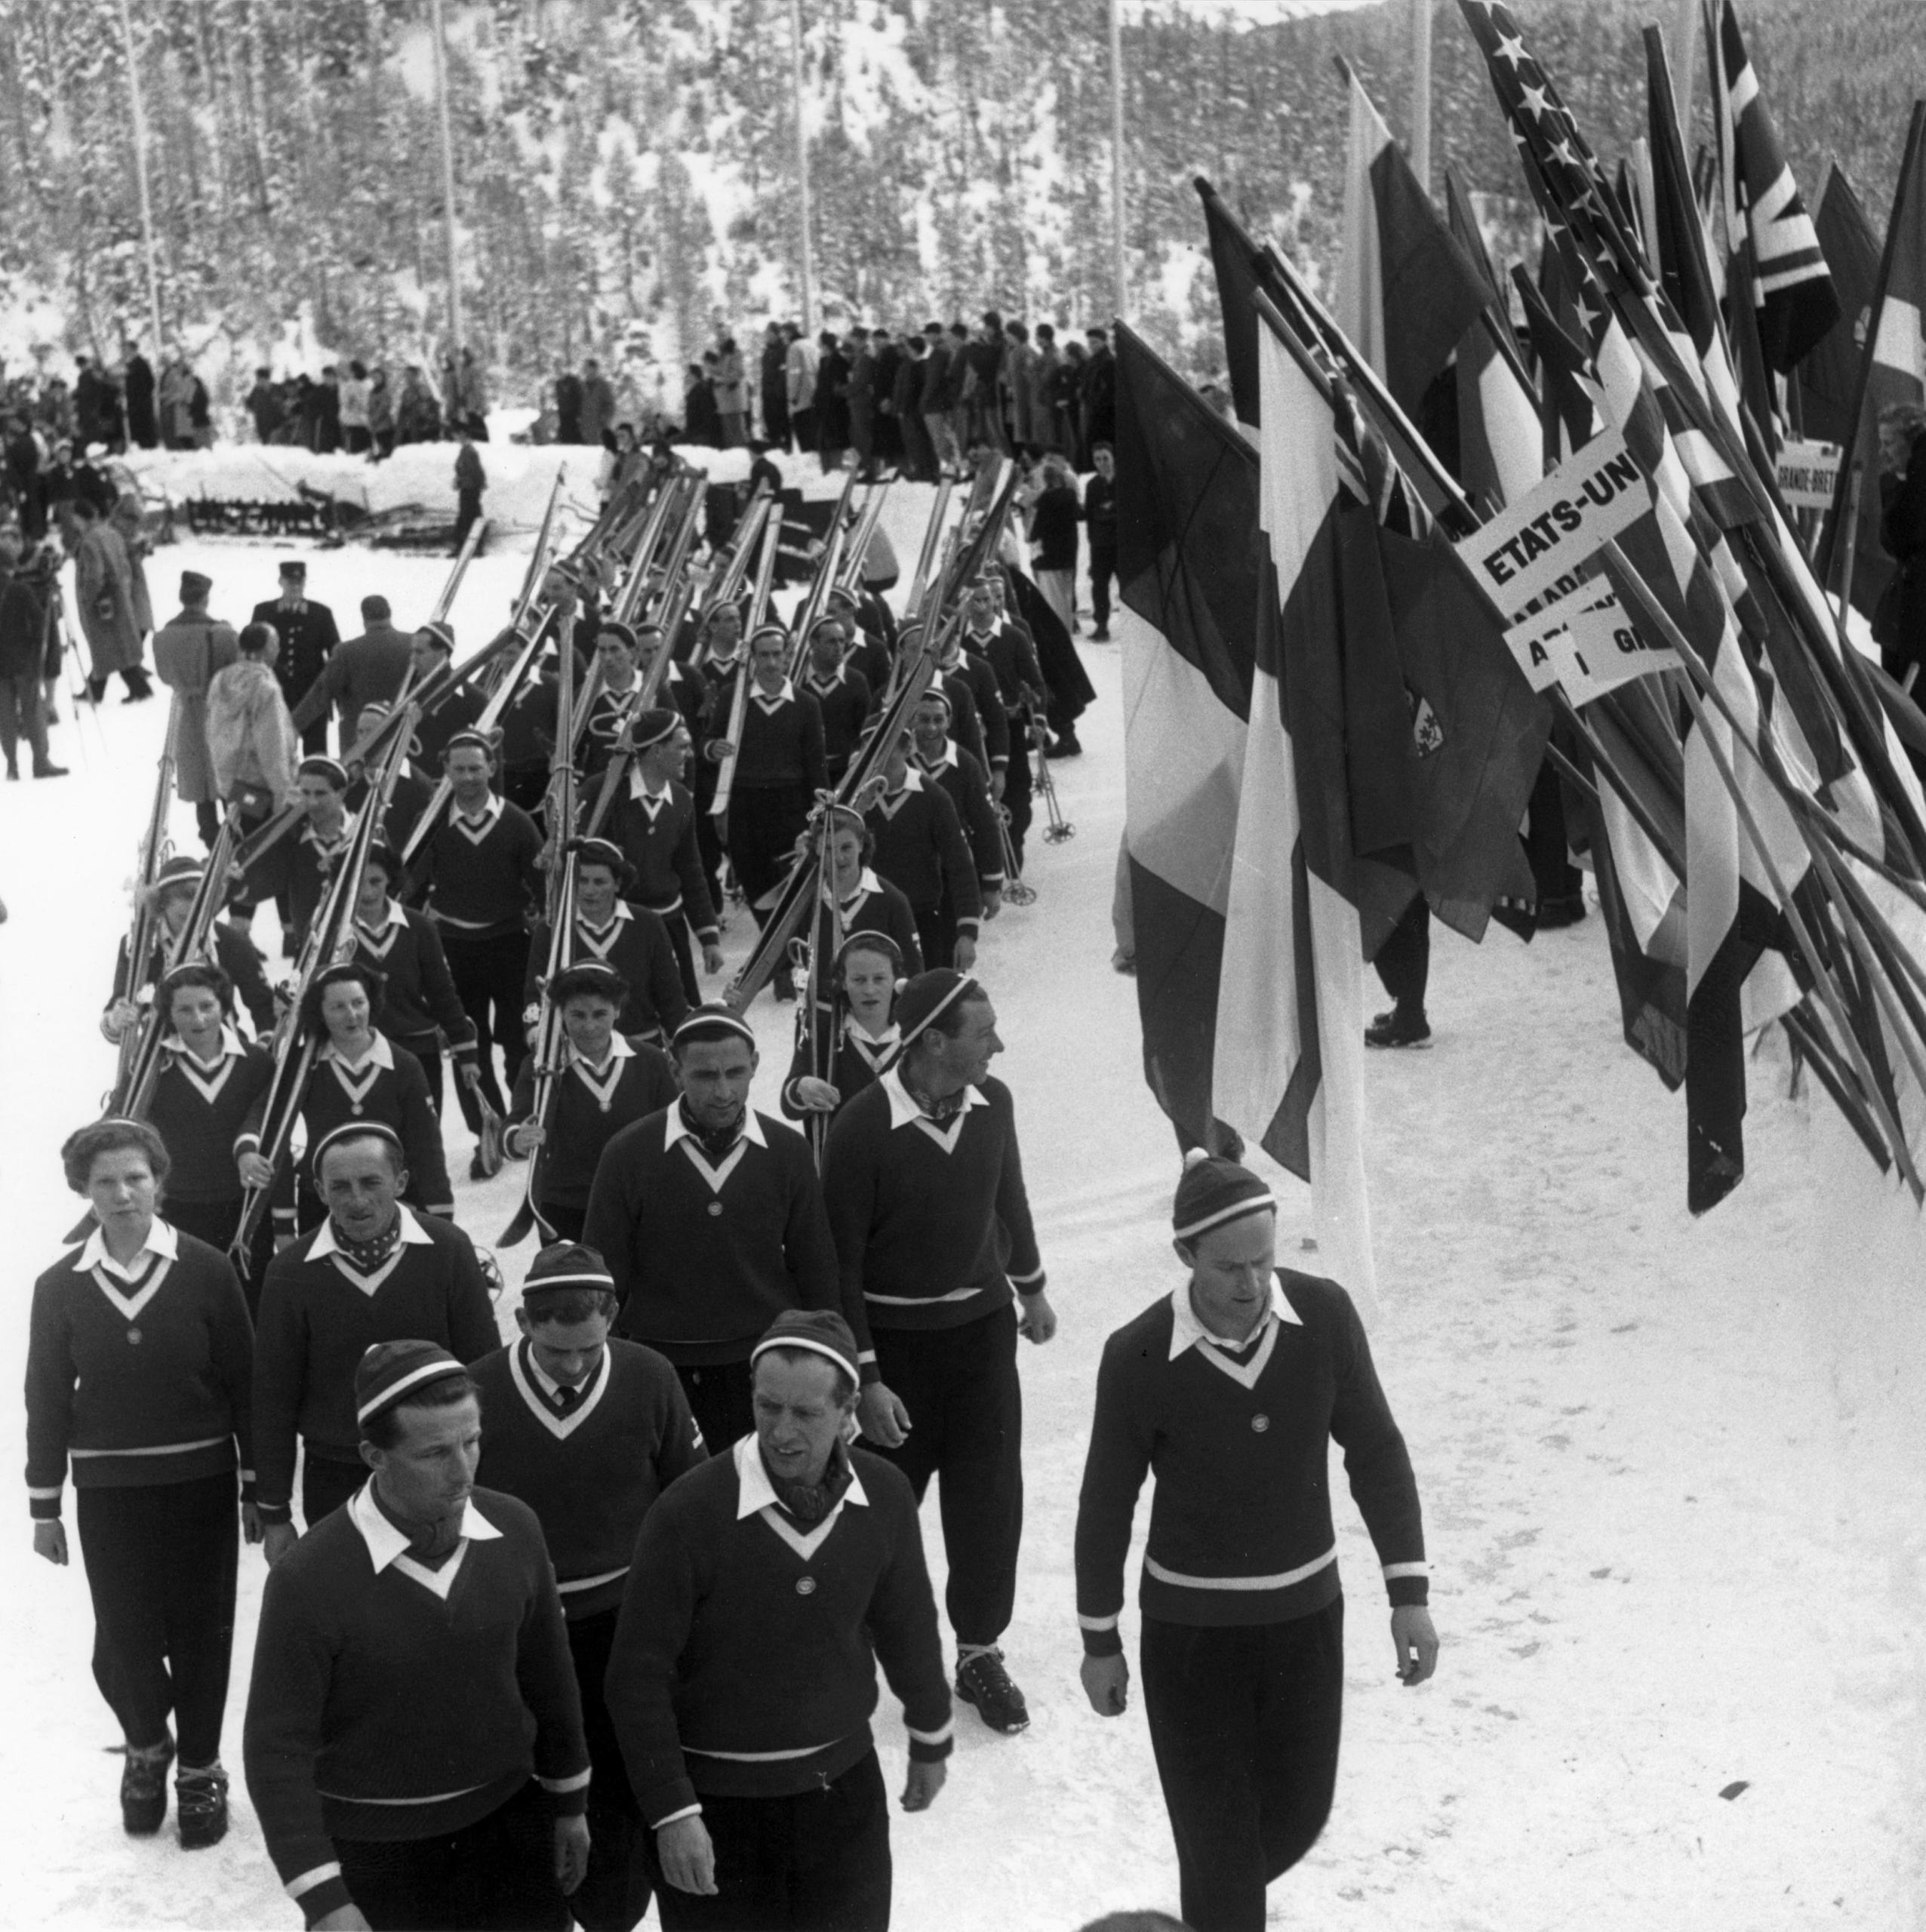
column 1231, row 1390
column 919, row 847
column 924, row 1186
column 710, row 1218
column 841, row 693
column 588, row 1432
column 413, row 1743
column 766, row 1586
column 372, row 1271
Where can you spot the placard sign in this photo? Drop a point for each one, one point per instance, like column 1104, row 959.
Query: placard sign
column 1522, row 553
column 1591, row 647
column 1808, row 474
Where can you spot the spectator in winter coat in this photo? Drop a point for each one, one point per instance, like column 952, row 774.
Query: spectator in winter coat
column 597, row 403
column 188, row 650
column 1020, row 387
column 731, row 395
column 568, row 408
column 23, row 648
column 308, row 638
column 1100, row 513
column 470, row 399
column 104, row 592
column 1099, row 392
column 775, row 383
column 1045, row 367
column 984, row 354
column 176, row 393
column 832, row 401
column 23, row 487
column 799, row 374
column 355, row 437
column 142, row 428
column 861, row 357
column 905, row 406
column 470, row 481
column 365, row 670
column 1053, row 538
column 380, row 413
column 701, row 423
column 264, row 405
column 328, row 411
column 418, row 415
column 1069, row 405
column 251, row 741
column 934, row 400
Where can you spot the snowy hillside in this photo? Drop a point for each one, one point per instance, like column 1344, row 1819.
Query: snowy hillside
column 625, row 172
column 1671, row 1470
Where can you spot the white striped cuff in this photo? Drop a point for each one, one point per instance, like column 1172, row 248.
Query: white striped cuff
column 593, row 1583
column 1392, row 1571
column 922, row 1301
column 246, row 1476
column 45, row 1495
column 687, row 1811
column 868, row 1355
column 941, row 1736
column 763, row 1757
column 1098, row 1623
column 158, row 1449
column 1282, row 1581
column 300, row 1887
column 1021, row 1282
column 579, row 1782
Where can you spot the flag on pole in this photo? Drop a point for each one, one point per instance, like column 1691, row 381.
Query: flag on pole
column 1462, row 217
column 1190, row 573
column 1794, row 299
column 1826, row 381
column 1407, row 290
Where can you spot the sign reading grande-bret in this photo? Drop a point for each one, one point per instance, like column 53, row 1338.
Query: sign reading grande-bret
column 1523, row 550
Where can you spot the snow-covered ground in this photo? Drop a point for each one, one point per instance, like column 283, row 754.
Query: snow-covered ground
column 1672, row 1471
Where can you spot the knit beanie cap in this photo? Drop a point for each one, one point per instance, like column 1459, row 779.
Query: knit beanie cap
column 389, row 1372
column 654, row 726
column 319, row 766
column 1213, row 1191
column 603, row 852
column 927, row 998
column 566, row 1264
column 443, row 635
column 354, row 1130
column 713, row 1023
column 615, row 628
column 820, row 1330
column 183, row 871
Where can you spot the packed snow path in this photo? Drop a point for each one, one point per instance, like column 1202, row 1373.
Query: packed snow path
column 1671, row 1472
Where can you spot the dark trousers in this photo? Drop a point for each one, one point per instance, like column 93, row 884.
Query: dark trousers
column 496, row 1874
column 326, row 1484
column 467, row 511
column 1102, row 569
column 22, row 715
column 615, row 1894
column 1403, row 961
column 966, row 1401
column 488, row 974
column 160, row 1564
column 216, row 1222
column 1545, row 844
column 1019, row 782
column 1244, row 1721
column 817, row 1862
column 764, row 822
column 314, row 742
column 720, row 1398
column 207, row 821
column 427, row 1047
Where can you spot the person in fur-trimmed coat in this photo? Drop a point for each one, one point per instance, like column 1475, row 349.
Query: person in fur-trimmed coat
column 251, row 742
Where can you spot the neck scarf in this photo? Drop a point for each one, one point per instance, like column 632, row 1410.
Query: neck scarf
column 810, row 1502
column 368, row 1255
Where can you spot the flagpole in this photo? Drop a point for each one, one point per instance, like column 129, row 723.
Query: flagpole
column 1842, row 491
column 1119, row 283
column 1688, row 38
column 439, row 34
column 806, row 266
column 1421, row 92
column 138, row 115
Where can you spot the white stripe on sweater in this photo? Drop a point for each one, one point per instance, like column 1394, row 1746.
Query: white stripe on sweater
column 1282, row 1581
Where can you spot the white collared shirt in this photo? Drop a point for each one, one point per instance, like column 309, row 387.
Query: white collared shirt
column 619, row 1049
column 773, row 702
column 231, row 1048
column 488, row 815
column 755, row 1491
column 381, row 1054
column 1187, row 1329
column 680, row 1130
column 615, row 918
column 891, row 802
column 413, row 1235
column 550, row 1387
column 948, row 760
column 386, row 1544
column 906, row 1109
column 162, row 1240
column 866, row 882
column 393, row 915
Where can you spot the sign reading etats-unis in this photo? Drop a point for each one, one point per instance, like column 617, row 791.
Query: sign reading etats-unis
column 1537, row 551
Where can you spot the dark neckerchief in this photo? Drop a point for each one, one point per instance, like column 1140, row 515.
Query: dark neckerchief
column 431, row 1543
column 715, row 1143
column 810, row 1502
column 368, row 1255
column 941, row 1111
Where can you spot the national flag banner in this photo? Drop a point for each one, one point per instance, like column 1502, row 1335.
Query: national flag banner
column 1407, row 290
column 1826, row 383
column 1794, row 298
column 1288, row 1072
column 1190, row 569
column 1501, row 437
column 1461, row 213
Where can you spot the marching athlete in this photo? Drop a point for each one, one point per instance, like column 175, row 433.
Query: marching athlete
column 588, row 1431
column 924, row 1186
column 629, row 940
column 867, row 970
column 711, row 1221
column 917, row 843
column 414, row 1744
column 841, row 692
column 766, row 1586
column 1230, row 1390
column 607, row 1082
column 295, row 870
column 864, row 902
column 944, row 762
column 374, row 1271
column 654, row 826
column 174, row 890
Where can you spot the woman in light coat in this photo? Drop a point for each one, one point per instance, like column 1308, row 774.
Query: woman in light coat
column 104, row 595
